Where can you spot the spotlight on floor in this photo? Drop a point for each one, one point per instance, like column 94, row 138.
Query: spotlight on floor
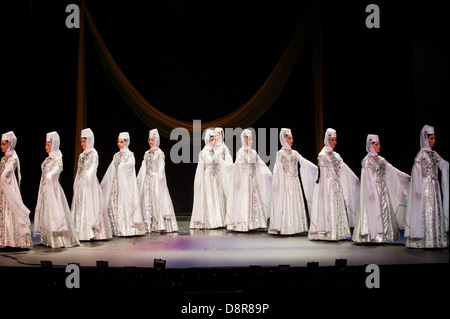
column 159, row 264
column 340, row 264
column 46, row 264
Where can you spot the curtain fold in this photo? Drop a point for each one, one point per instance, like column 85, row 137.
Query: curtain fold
column 242, row 116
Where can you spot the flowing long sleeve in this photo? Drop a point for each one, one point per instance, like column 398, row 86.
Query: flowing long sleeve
column 443, row 166
column 11, row 189
column 308, row 174
column 277, row 194
column 197, row 208
column 413, row 224
column 350, row 187
column 397, row 183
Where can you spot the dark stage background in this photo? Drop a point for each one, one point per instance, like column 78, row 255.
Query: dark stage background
column 202, row 59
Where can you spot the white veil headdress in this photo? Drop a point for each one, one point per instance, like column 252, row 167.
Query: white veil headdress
column 326, row 141
column 208, row 135
column 125, row 136
column 154, row 134
column 89, row 136
column 221, row 135
column 426, row 131
column 283, row 135
column 371, row 138
column 11, row 138
column 54, row 140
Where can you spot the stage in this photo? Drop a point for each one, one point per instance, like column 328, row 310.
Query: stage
column 220, row 268
column 220, row 248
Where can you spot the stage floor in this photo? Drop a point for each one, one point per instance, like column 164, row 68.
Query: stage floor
column 220, row 248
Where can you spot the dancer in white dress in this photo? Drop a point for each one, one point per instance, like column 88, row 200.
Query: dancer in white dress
column 88, row 206
column 288, row 212
column 156, row 203
column 383, row 192
column 208, row 210
column 336, row 195
column 427, row 211
column 52, row 218
column 14, row 215
column 121, row 194
column 249, row 200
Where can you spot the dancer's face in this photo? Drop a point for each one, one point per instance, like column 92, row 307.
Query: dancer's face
column 290, row 139
column 121, row 143
column 83, row 143
column 333, row 142
column 432, row 140
column 151, row 142
column 48, row 147
column 4, row 146
column 212, row 141
column 249, row 141
column 376, row 146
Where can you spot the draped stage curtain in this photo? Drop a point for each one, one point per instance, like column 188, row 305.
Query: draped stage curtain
column 243, row 116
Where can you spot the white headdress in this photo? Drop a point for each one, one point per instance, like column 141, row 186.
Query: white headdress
column 125, row 136
column 245, row 134
column 371, row 138
column 53, row 138
column 221, row 135
column 208, row 135
column 330, row 133
column 283, row 135
column 89, row 136
column 155, row 136
column 12, row 140
column 426, row 130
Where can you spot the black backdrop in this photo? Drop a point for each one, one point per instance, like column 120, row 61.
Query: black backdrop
column 202, row 59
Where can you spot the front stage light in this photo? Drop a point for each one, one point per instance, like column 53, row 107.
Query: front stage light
column 159, row 264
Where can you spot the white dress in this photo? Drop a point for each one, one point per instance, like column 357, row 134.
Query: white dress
column 14, row 215
column 248, row 205
column 52, row 218
column 209, row 205
column 156, row 204
column 382, row 202
column 88, row 206
column 288, row 212
column 427, row 212
column 335, row 199
column 121, row 194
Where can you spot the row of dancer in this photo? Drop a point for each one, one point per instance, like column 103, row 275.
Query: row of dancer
column 240, row 196
column 325, row 200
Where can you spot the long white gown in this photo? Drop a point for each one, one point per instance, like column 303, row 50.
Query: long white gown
column 156, row 203
column 382, row 197
column 121, row 194
column 14, row 215
column 209, row 205
column 248, row 205
column 335, row 198
column 427, row 212
column 88, row 206
column 288, row 212
column 52, row 218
